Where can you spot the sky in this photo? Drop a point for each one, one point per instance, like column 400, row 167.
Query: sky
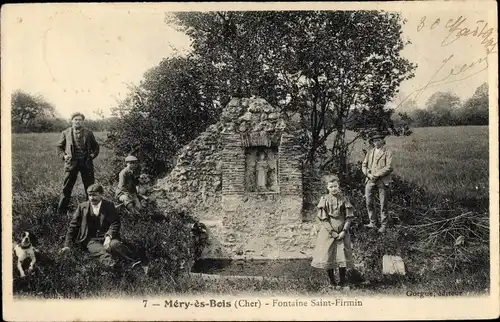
column 80, row 57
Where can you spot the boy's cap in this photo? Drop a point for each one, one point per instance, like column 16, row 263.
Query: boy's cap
column 95, row 188
column 131, row 158
column 331, row 178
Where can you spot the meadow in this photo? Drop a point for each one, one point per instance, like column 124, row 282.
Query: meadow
column 447, row 162
column 443, row 160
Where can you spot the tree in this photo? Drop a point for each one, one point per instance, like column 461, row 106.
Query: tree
column 171, row 106
column 322, row 65
column 475, row 110
column 28, row 110
column 422, row 117
column 442, row 107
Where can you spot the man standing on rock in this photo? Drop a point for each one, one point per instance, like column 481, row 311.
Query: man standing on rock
column 78, row 148
column 377, row 167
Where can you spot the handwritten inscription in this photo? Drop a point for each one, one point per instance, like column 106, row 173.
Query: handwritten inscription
column 450, row 71
column 455, row 74
column 457, row 29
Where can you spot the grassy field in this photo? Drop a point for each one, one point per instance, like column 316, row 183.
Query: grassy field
column 444, row 160
column 449, row 161
column 35, row 164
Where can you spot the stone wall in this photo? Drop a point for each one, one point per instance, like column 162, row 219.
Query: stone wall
column 194, row 184
column 208, row 182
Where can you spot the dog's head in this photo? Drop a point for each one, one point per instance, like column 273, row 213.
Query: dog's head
column 144, row 179
column 27, row 239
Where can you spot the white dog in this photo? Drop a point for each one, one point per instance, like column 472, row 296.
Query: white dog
column 26, row 250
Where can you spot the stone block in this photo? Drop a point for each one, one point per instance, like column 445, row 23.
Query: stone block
column 255, row 107
column 243, row 127
column 246, row 117
column 393, row 265
column 258, row 127
column 273, row 116
column 268, row 108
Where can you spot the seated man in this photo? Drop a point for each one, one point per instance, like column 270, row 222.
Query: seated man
column 96, row 226
column 128, row 181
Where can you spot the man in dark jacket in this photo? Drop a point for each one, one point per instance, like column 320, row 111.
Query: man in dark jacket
column 96, row 226
column 77, row 147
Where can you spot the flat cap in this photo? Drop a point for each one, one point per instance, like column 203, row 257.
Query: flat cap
column 95, row 188
column 131, row 158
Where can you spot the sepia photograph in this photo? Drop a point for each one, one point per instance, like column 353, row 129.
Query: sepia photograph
column 250, row 161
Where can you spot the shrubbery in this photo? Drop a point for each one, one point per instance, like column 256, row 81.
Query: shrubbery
column 168, row 109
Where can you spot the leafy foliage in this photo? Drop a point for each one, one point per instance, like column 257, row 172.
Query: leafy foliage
column 321, row 65
column 475, row 110
column 30, row 112
column 169, row 108
column 445, row 109
column 316, row 66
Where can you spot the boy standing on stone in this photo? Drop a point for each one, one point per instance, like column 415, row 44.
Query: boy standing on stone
column 333, row 245
column 128, row 181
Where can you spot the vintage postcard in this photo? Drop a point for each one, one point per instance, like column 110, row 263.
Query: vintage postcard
column 250, row 161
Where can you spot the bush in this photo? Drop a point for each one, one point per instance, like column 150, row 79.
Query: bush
column 170, row 108
column 147, row 138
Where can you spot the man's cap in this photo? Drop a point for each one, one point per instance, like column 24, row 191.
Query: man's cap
column 377, row 135
column 95, row 188
column 131, row 158
column 77, row 114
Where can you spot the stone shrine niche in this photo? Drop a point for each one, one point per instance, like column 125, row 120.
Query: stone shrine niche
column 261, row 171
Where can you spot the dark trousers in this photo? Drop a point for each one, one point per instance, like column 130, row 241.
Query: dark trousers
column 70, row 176
column 116, row 248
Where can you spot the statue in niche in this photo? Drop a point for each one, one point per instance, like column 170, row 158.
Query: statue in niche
column 261, row 170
